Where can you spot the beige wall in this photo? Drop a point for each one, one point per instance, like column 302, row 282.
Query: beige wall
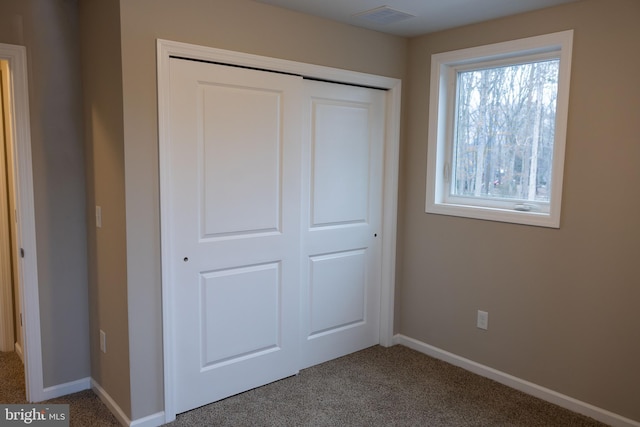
column 104, row 144
column 48, row 29
column 240, row 25
column 563, row 304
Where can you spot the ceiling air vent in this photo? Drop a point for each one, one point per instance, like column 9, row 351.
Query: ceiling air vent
column 383, row 15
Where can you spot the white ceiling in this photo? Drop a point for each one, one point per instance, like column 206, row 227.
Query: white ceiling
column 430, row 15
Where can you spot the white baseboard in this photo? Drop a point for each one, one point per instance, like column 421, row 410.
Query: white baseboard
column 524, row 386
column 66, row 388
column 110, row 403
column 153, row 420
column 18, row 349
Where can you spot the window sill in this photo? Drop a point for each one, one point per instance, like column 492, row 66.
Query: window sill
column 538, row 219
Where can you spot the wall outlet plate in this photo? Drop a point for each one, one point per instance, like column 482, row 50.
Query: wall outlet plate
column 103, row 341
column 483, row 320
column 98, row 217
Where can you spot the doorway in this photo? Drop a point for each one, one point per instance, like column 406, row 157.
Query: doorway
column 10, row 324
column 218, row 279
column 18, row 138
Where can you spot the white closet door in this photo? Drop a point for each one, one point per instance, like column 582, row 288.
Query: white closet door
column 341, row 217
column 234, row 228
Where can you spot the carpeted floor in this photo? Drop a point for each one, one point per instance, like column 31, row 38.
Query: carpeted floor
column 375, row 387
column 85, row 408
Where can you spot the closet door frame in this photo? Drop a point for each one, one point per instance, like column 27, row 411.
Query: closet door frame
column 167, row 49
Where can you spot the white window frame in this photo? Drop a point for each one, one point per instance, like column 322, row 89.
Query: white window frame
column 440, row 143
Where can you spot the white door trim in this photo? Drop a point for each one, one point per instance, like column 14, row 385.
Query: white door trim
column 167, row 49
column 20, row 127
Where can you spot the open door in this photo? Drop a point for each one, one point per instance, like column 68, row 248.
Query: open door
column 16, row 109
column 8, row 333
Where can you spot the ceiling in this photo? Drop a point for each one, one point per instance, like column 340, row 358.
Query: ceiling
column 430, row 15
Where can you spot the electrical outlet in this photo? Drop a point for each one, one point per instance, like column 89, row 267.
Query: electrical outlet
column 483, row 320
column 103, row 341
column 98, row 217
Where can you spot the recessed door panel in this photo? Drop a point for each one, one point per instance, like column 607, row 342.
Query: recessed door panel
column 240, row 138
column 337, row 291
column 240, row 313
column 340, row 150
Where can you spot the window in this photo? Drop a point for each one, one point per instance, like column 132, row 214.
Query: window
column 497, row 128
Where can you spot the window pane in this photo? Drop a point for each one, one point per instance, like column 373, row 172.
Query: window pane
column 504, row 131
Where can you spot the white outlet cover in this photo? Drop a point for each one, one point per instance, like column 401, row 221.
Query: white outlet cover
column 483, row 320
column 103, row 341
column 98, row 217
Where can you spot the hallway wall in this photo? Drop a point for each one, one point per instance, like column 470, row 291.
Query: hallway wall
column 49, row 30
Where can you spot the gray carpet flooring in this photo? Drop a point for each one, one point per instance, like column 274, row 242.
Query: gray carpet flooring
column 85, row 408
column 375, row 387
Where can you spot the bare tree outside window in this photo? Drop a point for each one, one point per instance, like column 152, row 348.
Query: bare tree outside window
column 497, row 130
column 504, row 131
